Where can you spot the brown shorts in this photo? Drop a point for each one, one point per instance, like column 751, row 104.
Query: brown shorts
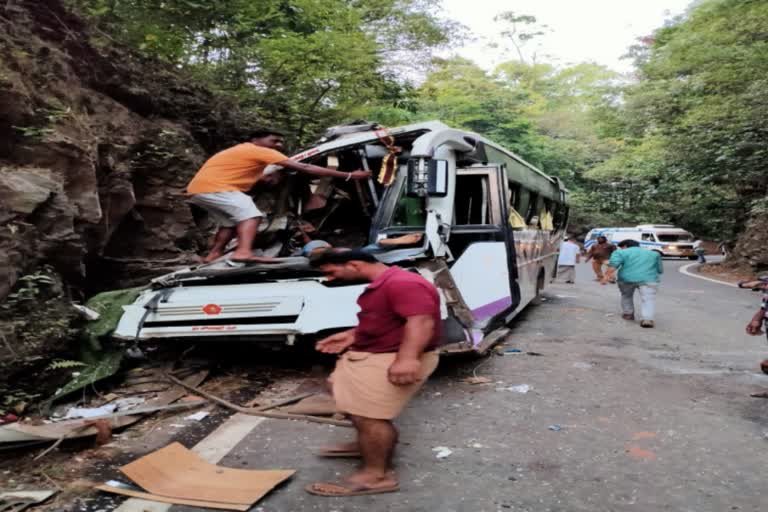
column 361, row 384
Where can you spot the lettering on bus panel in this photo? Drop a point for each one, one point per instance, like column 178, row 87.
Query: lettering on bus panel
column 215, row 328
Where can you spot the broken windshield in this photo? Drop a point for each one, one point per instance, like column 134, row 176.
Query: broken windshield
column 410, row 212
column 674, row 237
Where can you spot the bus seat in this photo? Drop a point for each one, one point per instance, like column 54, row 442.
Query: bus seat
column 515, row 219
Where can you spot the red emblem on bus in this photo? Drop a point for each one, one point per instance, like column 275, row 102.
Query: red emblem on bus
column 212, row 309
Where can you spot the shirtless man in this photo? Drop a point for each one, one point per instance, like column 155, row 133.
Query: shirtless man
column 221, row 184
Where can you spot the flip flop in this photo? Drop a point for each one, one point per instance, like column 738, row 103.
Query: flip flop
column 331, row 453
column 342, row 490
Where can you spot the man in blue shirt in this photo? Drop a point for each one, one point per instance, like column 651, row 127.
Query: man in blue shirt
column 639, row 269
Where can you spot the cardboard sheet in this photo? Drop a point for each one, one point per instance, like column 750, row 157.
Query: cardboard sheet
column 175, row 501
column 176, row 472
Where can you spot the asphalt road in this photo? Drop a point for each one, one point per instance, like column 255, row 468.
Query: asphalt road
column 649, row 420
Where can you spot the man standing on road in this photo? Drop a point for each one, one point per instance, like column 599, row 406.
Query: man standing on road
column 698, row 248
column 760, row 318
column 221, row 184
column 382, row 364
column 570, row 255
column 639, row 269
column 600, row 253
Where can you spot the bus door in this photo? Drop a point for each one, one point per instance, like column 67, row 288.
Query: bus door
column 481, row 244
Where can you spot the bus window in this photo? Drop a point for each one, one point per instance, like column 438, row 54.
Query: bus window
column 532, row 216
column 561, row 217
column 514, row 195
column 524, row 201
column 648, row 237
column 516, row 221
column 546, row 217
column 472, row 204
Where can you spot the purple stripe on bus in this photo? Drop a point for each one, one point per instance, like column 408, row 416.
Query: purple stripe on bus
column 493, row 308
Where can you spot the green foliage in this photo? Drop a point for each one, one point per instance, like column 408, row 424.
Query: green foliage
column 31, row 289
column 106, row 366
column 302, row 64
column 63, row 364
column 109, row 306
column 692, row 130
column 33, row 132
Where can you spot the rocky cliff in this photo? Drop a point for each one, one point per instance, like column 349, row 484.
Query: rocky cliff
column 96, row 146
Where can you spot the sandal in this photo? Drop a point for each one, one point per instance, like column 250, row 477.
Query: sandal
column 341, row 490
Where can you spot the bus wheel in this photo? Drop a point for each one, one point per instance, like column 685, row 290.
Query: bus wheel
column 536, row 301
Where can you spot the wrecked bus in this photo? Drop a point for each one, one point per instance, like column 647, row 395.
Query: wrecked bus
column 479, row 222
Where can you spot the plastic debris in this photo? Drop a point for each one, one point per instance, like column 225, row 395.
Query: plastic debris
column 474, row 380
column 583, row 366
column 86, row 312
column 555, row 428
column 198, row 416
column 442, row 451
column 520, row 388
column 122, row 404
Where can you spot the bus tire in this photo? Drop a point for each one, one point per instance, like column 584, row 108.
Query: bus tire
column 536, row 301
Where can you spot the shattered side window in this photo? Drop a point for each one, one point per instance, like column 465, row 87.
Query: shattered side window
column 410, row 211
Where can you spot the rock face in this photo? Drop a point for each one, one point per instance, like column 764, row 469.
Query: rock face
column 752, row 246
column 96, row 147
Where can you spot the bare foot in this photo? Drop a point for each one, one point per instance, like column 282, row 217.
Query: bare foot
column 212, row 256
column 373, row 480
column 250, row 257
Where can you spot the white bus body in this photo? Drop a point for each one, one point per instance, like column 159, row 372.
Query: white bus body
column 487, row 260
column 665, row 239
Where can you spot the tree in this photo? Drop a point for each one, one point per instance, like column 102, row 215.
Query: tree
column 693, row 128
column 303, row 64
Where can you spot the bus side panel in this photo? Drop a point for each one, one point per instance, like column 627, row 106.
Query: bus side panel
column 481, row 273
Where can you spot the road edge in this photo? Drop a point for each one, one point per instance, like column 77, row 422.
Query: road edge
column 684, row 270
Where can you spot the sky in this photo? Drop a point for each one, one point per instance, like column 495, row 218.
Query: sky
column 598, row 31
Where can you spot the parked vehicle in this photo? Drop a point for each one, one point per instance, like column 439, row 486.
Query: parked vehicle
column 665, row 239
column 488, row 227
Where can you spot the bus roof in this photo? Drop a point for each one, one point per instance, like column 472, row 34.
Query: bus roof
column 536, row 179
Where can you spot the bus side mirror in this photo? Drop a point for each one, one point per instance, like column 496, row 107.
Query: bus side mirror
column 427, row 177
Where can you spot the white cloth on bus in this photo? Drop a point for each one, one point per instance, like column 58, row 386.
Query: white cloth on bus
column 568, row 253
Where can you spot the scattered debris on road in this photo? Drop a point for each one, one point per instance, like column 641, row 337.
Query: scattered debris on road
column 180, row 476
column 555, row 428
column 442, row 452
column 519, row 388
column 477, row 380
column 16, row 501
column 264, row 411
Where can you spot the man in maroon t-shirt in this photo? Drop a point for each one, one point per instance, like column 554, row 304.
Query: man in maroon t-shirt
column 383, row 363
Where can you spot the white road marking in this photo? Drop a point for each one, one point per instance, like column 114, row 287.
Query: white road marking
column 213, row 448
column 684, row 270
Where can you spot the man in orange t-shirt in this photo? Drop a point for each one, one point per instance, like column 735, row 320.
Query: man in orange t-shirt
column 221, row 184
